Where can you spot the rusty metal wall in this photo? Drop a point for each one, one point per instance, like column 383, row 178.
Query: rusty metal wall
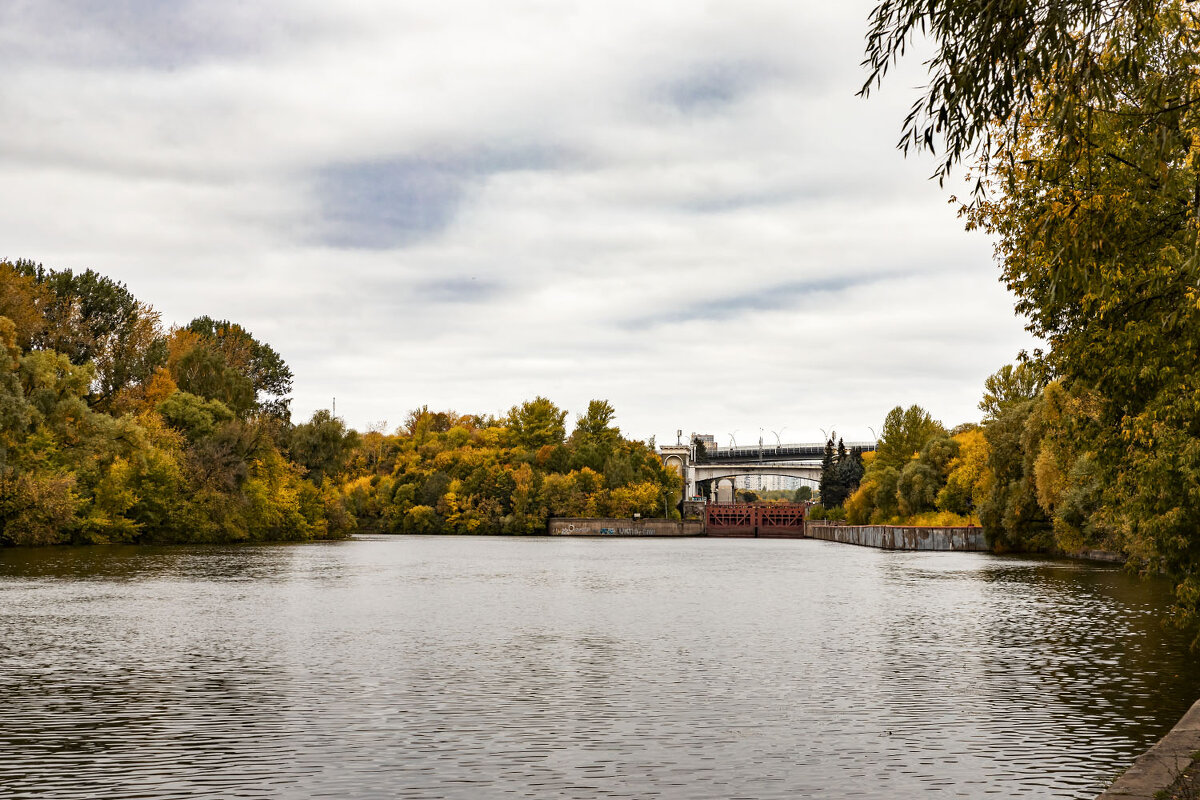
column 768, row 521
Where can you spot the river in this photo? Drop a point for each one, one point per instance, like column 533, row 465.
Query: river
column 473, row 667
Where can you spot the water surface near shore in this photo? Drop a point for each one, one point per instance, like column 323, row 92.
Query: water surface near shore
column 467, row 667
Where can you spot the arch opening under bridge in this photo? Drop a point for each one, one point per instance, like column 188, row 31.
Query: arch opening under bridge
column 708, row 478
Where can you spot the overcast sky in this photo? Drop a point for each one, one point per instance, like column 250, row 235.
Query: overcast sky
column 681, row 207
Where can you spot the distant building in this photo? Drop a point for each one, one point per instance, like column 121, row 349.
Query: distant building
column 769, row 483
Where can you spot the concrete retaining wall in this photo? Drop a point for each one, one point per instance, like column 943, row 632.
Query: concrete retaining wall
column 893, row 537
column 564, row 526
column 1154, row 772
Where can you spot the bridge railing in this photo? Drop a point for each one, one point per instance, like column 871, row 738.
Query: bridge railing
column 796, row 451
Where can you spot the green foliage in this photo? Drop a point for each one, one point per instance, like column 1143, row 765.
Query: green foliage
column 421, row 519
column 1010, row 514
column 472, row 474
column 989, row 59
column 597, row 422
column 193, row 445
column 196, row 417
column 87, row 317
column 595, row 443
column 204, row 373
column 841, row 474
column 944, row 477
column 23, row 302
column 828, row 463
column 1086, row 117
column 537, row 423
column 36, row 509
column 177, row 466
column 1010, row 384
column 256, row 363
column 917, row 488
column 322, row 445
column 905, row 431
column 819, row 512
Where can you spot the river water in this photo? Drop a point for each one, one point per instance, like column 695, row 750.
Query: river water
column 462, row 667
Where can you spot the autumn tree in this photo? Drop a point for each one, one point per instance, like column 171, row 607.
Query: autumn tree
column 905, row 431
column 321, row 445
column 23, row 301
column 595, row 441
column 239, row 366
column 537, row 423
column 89, row 317
column 994, row 64
column 1011, row 384
column 98, row 444
column 1084, row 114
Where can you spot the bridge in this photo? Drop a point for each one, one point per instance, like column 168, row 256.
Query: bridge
column 703, row 468
column 769, row 453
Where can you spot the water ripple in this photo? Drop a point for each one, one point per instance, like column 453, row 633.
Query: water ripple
column 446, row 667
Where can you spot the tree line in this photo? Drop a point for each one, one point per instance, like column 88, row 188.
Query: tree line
column 116, row 429
column 920, row 473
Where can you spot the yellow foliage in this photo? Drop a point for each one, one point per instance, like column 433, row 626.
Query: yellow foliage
column 8, row 341
column 941, row 519
column 1049, row 476
column 969, row 479
column 142, row 397
column 639, row 498
column 180, row 342
column 859, row 505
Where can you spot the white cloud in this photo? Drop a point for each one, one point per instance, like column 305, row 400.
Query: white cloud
column 680, row 207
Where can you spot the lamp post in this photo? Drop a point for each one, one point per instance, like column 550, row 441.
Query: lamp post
column 777, row 444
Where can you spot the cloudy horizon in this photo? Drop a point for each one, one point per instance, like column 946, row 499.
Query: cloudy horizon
column 683, row 209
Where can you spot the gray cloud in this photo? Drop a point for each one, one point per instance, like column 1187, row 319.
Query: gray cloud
column 393, row 203
column 384, row 205
column 775, row 297
column 133, row 33
column 713, row 87
column 460, row 290
column 468, row 203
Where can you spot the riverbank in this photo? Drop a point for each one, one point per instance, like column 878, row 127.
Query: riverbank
column 1168, row 770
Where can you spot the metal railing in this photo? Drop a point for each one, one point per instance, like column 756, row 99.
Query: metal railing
column 773, row 452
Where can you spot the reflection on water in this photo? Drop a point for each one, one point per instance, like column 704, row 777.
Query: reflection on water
column 476, row 667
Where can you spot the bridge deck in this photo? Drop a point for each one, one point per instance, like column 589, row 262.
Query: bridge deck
column 787, row 452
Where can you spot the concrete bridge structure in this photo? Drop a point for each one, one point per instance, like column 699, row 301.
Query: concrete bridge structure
column 703, row 469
